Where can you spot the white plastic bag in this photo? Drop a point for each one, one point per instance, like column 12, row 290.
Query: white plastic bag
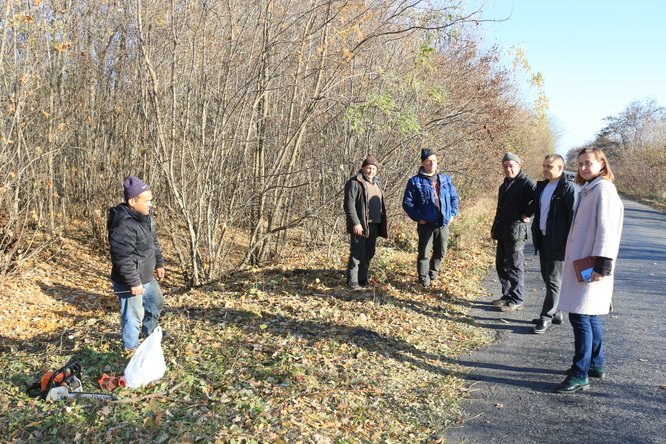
column 147, row 364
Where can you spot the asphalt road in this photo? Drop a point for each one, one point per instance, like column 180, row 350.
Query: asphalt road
column 511, row 382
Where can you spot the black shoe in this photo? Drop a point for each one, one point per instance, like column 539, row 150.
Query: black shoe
column 542, row 327
column 572, row 385
column 558, row 318
column 536, row 320
column 499, row 302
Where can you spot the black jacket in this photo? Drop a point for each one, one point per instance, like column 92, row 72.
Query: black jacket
column 356, row 206
column 514, row 200
column 135, row 250
column 560, row 215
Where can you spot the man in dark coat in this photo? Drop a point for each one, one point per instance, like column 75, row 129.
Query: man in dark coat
column 514, row 208
column 432, row 202
column 554, row 206
column 137, row 261
column 366, row 219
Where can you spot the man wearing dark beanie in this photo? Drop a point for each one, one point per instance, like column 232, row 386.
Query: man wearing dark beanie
column 514, row 208
column 137, row 262
column 366, row 219
column 432, row 202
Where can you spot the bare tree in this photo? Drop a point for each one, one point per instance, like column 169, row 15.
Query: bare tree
column 245, row 117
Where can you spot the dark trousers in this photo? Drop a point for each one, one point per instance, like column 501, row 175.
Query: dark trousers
column 433, row 243
column 551, row 272
column 588, row 343
column 510, row 265
column 361, row 252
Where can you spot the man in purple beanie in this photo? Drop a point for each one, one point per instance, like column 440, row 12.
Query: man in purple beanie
column 137, row 262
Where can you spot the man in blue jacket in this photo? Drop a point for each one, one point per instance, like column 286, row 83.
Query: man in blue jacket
column 137, row 260
column 431, row 201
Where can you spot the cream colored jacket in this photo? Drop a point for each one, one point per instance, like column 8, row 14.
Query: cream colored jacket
column 595, row 231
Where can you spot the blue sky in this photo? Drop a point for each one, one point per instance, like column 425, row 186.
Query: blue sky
column 596, row 56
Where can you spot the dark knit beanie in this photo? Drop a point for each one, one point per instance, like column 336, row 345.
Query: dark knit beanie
column 370, row 160
column 425, row 153
column 511, row 156
column 133, row 186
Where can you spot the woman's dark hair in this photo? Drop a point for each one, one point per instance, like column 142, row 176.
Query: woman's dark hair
column 599, row 154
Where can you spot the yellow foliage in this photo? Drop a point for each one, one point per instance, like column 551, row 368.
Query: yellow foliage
column 61, row 47
column 347, row 55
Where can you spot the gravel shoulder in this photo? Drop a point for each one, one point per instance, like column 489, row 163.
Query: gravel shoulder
column 511, row 381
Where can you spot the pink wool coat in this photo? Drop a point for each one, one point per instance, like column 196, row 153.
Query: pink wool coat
column 595, row 231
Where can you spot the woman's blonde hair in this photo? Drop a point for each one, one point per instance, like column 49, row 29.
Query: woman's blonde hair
column 599, row 154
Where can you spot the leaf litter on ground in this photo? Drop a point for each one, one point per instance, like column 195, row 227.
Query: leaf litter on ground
column 283, row 353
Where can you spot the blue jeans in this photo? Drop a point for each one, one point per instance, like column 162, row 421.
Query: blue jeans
column 138, row 314
column 588, row 342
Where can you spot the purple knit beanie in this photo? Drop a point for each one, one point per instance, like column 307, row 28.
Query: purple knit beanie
column 133, row 186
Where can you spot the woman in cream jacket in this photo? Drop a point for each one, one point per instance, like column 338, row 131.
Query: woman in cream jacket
column 595, row 232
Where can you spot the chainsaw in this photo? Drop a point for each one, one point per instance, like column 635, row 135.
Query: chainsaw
column 64, row 383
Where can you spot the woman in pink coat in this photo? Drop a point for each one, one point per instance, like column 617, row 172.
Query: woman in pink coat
column 595, row 232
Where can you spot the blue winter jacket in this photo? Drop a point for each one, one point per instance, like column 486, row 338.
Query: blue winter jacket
column 419, row 200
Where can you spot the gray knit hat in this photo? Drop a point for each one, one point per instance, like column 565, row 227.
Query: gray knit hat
column 511, row 156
